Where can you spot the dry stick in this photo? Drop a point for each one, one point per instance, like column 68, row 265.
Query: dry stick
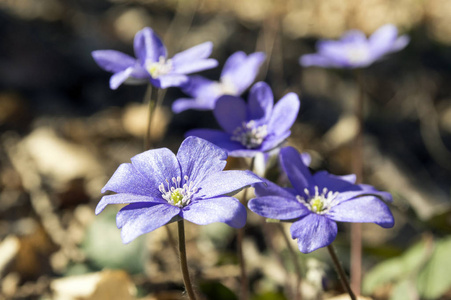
column 239, row 242
column 294, row 258
column 184, row 262
column 340, row 272
column 356, row 228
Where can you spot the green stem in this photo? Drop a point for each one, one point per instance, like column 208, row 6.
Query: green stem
column 239, row 241
column 184, row 262
column 340, row 272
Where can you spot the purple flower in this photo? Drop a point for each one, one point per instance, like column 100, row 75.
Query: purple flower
column 257, row 126
column 151, row 62
column 317, row 201
column 354, row 50
column 238, row 74
column 161, row 187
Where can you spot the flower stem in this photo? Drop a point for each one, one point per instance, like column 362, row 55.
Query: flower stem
column 239, row 241
column 184, row 262
column 356, row 228
column 340, row 272
column 294, row 258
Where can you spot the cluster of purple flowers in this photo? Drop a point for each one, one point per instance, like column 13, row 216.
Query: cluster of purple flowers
column 160, row 187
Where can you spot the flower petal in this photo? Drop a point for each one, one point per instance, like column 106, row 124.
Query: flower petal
column 260, row 102
column 126, row 179
column 193, row 54
column 297, row 172
column 308, row 60
column 183, row 104
column 273, row 141
column 367, row 209
column 125, row 199
column 353, row 36
column 277, row 207
column 230, row 112
column 120, row 77
column 226, row 182
column 192, row 66
column 382, row 40
column 148, row 46
column 284, row 114
column 197, row 85
column 313, row 232
column 200, row 159
column 268, row 188
column 370, row 190
column 112, row 60
column 224, row 209
column 169, row 80
column 157, row 166
column 139, row 218
column 334, row 183
column 241, row 71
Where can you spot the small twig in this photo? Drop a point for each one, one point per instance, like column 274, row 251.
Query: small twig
column 184, row 262
column 340, row 272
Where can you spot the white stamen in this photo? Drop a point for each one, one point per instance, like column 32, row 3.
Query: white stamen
column 319, row 203
column 162, row 67
column 178, row 195
column 250, row 135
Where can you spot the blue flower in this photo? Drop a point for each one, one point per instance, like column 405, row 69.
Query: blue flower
column 256, row 127
column 354, row 50
column 161, row 187
column 151, row 62
column 238, row 74
column 317, row 201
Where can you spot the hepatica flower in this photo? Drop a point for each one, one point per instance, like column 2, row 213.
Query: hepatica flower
column 151, row 62
column 160, row 187
column 316, row 202
column 354, row 50
column 238, row 74
column 257, row 126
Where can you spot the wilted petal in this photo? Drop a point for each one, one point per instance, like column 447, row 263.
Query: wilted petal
column 278, row 207
column 230, row 112
column 366, row 209
column 226, row 182
column 296, row 171
column 125, row 199
column 113, row 61
column 284, row 114
column 227, row 210
column 157, row 166
column 148, row 46
column 139, row 218
column 260, row 102
column 313, row 232
column 199, row 159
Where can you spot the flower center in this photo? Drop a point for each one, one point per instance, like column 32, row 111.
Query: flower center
column 225, row 87
column 319, row 203
column 357, row 55
column 250, row 135
column 177, row 194
column 162, row 67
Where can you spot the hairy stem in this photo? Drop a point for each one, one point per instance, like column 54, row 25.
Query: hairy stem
column 341, row 272
column 184, row 262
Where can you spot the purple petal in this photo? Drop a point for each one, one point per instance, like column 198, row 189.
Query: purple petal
column 319, row 60
column 353, row 36
column 273, row 141
column 268, row 188
column 183, row 104
column 113, row 61
column 139, row 218
column 192, row 66
column 243, row 152
column 296, row 171
column 217, row 137
column 276, row 207
column 148, row 46
column 241, row 71
column 196, row 85
column 128, row 180
column 313, row 232
column 226, row 182
column 230, row 112
column 367, row 209
column 125, row 199
column 224, row 209
column 157, row 166
column 169, row 80
column 260, row 102
column 370, row 190
column 284, row 114
column 400, row 43
column 306, row 158
column 382, row 40
column 200, row 159
column 333, row 183
column 120, row 77
column 193, row 54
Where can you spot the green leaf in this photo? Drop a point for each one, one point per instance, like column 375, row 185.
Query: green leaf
column 104, row 248
column 435, row 280
column 270, row 296
column 404, row 290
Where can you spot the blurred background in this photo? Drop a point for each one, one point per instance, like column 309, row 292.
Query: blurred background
column 63, row 133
